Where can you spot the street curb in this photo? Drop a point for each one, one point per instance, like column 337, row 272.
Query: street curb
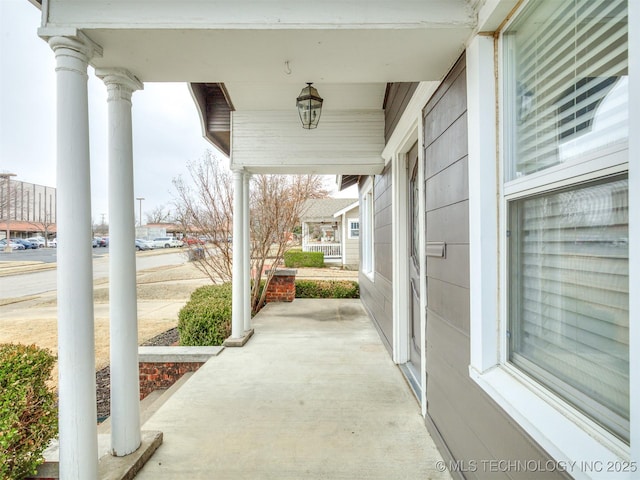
column 7, row 271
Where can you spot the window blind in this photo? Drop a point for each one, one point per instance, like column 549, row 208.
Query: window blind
column 567, row 82
column 569, row 296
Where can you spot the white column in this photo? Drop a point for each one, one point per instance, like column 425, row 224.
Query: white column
column 238, row 293
column 305, row 234
column 483, row 222
column 344, row 237
column 123, row 307
column 246, row 252
column 76, row 350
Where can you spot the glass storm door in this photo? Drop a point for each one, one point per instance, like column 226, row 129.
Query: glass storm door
column 415, row 348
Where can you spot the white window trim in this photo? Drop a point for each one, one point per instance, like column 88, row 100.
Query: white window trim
column 367, row 233
column 409, row 129
column 350, row 230
column 634, row 227
column 560, row 429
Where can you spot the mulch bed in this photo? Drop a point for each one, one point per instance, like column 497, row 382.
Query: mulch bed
column 103, row 379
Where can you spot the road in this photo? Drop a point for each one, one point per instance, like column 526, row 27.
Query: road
column 26, row 284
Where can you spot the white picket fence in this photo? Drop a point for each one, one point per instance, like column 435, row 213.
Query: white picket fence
column 330, row 250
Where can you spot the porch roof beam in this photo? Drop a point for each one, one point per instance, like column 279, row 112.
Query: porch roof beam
column 244, row 14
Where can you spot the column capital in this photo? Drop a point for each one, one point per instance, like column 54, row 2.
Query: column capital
column 71, row 40
column 73, row 51
column 121, row 83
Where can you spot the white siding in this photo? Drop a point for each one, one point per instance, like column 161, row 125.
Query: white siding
column 344, row 142
column 351, row 245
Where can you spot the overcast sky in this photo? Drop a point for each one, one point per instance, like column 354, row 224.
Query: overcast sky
column 166, row 128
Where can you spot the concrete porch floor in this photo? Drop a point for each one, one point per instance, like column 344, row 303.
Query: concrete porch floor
column 313, row 395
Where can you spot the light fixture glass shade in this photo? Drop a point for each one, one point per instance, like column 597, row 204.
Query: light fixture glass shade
column 309, row 104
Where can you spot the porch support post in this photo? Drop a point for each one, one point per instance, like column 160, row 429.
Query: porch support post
column 238, row 280
column 246, row 252
column 344, row 236
column 76, row 349
column 123, row 307
column 305, row 235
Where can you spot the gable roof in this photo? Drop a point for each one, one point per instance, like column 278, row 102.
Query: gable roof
column 324, row 208
column 347, row 209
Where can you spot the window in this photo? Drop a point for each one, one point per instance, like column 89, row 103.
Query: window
column 565, row 196
column 566, row 89
column 354, row 228
column 568, row 302
column 366, row 237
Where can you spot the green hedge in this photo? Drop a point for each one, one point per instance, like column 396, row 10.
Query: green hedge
column 28, row 410
column 206, row 318
column 327, row 289
column 297, row 259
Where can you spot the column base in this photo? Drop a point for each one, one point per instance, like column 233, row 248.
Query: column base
column 239, row 342
column 126, row 468
column 109, row 467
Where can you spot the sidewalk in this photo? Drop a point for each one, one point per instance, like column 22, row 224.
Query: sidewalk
column 313, row 395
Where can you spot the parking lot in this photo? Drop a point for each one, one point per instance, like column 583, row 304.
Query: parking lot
column 46, row 255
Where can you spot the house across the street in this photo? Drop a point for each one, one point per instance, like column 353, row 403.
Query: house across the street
column 332, row 226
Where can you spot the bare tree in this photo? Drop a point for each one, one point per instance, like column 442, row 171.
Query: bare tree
column 8, row 205
column 276, row 204
column 44, row 227
column 205, row 205
column 159, row 214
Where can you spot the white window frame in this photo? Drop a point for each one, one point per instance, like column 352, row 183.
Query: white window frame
column 367, row 230
column 564, row 432
column 350, row 229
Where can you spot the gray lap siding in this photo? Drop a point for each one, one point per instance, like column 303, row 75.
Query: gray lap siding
column 473, row 428
column 377, row 295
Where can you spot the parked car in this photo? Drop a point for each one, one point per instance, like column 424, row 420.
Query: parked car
column 39, row 241
column 12, row 244
column 27, row 244
column 95, row 242
column 144, row 244
column 104, row 242
column 166, row 242
column 148, row 243
column 53, row 243
column 193, row 241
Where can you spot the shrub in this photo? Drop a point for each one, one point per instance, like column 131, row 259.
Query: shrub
column 327, row 289
column 206, row 318
column 28, row 410
column 297, row 259
column 209, row 291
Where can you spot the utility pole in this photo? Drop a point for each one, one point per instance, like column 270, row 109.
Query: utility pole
column 7, row 177
column 140, row 199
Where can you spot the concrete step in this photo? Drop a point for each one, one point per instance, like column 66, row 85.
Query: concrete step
column 154, row 406
column 150, row 404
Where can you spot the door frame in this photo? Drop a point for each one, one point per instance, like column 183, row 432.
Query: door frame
column 409, row 129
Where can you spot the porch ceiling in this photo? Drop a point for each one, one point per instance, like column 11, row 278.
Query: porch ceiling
column 262, row 53
column 263, row 70
column 329, row 56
